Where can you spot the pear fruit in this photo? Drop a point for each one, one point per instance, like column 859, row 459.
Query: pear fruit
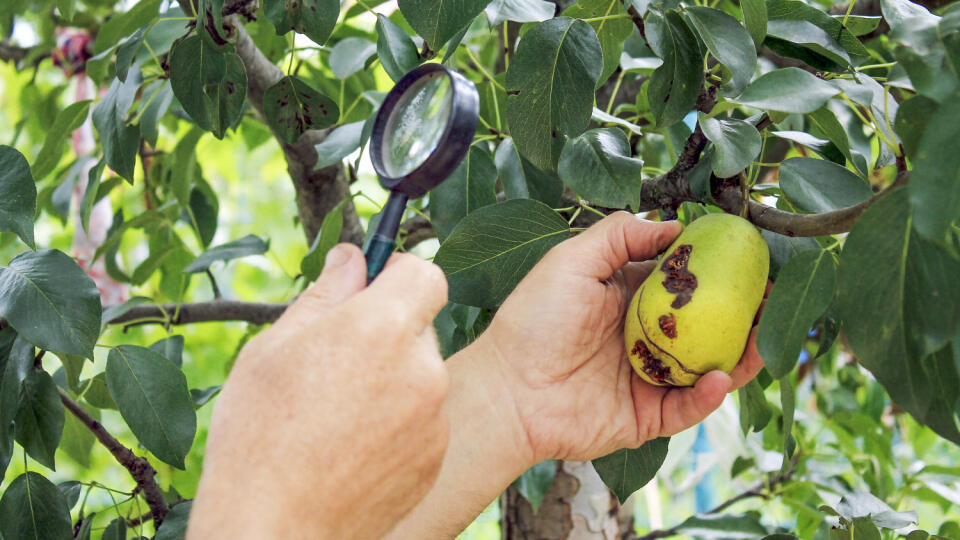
column 693, row 314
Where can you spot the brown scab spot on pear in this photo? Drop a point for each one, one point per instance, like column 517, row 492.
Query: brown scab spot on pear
column 652, row 365
column 668, row 325
column 679, row 280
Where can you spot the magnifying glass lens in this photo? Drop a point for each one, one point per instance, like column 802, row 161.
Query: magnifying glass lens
column 416, row 124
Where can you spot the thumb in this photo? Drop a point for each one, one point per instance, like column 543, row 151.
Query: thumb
column 344, row 275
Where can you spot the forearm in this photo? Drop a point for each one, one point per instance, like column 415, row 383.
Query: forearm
column 488, row 449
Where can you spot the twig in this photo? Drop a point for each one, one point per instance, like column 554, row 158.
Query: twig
column 145, row 517
column 140, row 469
column 12, row 53
column 416, row 230
column 217, row 310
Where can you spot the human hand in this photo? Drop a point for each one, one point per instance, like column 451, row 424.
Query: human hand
column 559, row 346
column 331, row 422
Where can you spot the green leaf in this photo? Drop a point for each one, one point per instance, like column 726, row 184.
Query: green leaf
column 67, row 8
column 629, row 469
column 722, row 526
column 86, row 527
column 521, row 180
column 788, row 403
column 202, row 396
column 523, row 11
column 33, row 507
column 16, row 359
column 894, row 314
column 313, row 18
column 18, row 195
column 803, row 291
column 211, row 85
column 246, row 246
column 292, row 107
column 312, row 264
column 90, row 194
column 204, row 208
column 491, row 249
column 68, row 120
column 125, row 24
column 339, row 143
column 535, row 481
column 729, row 42
column 77, row 440
column 862, row 504
column 550, row 87
column 935, row 180
column 826, row 121
column 755, row 19
column 120, row 142
column 809, row 36
column 795, row 10
column 911, row 123
column 469, row 187
column 116, row 530
column 39, row 419
column 51, row 302
column 754, row 409
column 71, row 492
column 821, row 146
column 791, row 90
column 96, row 392
column 350, row 55
column 153, row 108
column 397, row 52
column 860, row 25
column 153, row 398
column 174, row 526
column 171, row 348
column 612, row 32
column 675, row 85
column 439, row 20
column 737, row 144
column 598, row 167
column 816, row 185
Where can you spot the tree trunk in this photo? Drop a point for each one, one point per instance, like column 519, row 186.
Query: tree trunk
column 577, row 506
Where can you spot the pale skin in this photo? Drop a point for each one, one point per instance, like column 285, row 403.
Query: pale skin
column 548, row 379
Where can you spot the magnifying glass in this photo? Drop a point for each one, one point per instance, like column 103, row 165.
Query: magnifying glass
column 422, row 132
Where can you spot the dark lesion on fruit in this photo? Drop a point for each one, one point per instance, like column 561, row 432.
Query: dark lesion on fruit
column 680, row 281
column 652, row 365
column 668, row 325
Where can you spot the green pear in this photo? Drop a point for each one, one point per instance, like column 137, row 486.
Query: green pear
column 693, row 314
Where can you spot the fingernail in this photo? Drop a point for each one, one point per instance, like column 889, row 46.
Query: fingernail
column 337, row 256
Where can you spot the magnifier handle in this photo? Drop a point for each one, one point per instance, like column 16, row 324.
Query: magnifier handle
column 383, row 241
column 378, row 251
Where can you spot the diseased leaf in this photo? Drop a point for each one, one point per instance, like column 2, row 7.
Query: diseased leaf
column 211, row 85
column 628, row 470
column 313, row 18
column 292, row 107
column 597, row 166
column 33, row 507
column 737, row 144
column 789, row 90
column 152, row 395
column 39, row 419
column 469, row 187
column 246, row 246
column 491, row 249
column 18, row 195
column 816, row 185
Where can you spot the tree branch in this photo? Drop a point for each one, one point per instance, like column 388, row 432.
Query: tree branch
column 12, row 53
column 217, row 310
column 140, row 469
column 416, row 230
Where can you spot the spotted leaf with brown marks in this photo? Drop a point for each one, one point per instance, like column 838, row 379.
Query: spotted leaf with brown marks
column 291, row 107
column 211, row 85
column 312, row 18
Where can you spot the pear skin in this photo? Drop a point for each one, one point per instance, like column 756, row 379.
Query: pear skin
column 693, row 314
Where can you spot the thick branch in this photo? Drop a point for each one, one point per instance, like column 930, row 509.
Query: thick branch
column 416, row 230
column 12, row 53
column 138, row 467
column 318, row 191
column 217, row 310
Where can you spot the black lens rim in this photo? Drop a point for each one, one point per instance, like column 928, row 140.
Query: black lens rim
column 453, row 145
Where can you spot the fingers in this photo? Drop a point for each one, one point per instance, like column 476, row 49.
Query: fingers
column 408, row 293
column 616, row 240
column 344, row 275
column 750, row 363
column 684, row 407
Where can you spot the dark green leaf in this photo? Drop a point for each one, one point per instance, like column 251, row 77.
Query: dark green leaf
column 71, row 492
column 911, row 123
column 39, row 420
column 821, row 146
column 77, row 440
column 675, row 85
column 125, row 53
column 339, row 143
column 755, row 19
column 86, row 527
column 795, row 10
column 598, row 167
column 246, row 246
column 313, row 18
column 153, row 398
column 471, row 186
column 935, row 180
column 439, row 20
column 113, row 312
column 788, row 402
column 120, row 142
column 116, row 530
column 521, row 11
column 171, row 348
column 16, row 359
column 754, row 409
column 612, row 32
column 803, row 291
column 204, row 208
column 817, row 185
column 67, row 8
column 210, row 85
column 68, row 120
column 397, row 52
column 788, row 90
column 717, row 526
column 550, row 87
column 737, row 144
column 202, row 396
column 18, row 195
column 153, row 108
column 313, row 262
column 33, row 507
column 90, row 194
column 349, row 56
column 859, row 25
column 535, row 481
column 174, row 526
column 809, row 36
column 124, row 24
column 292, row 107
column 729, row 42
column 628, row 470
column 96, row 392
column 826, row 121
column 51, row 302
column 521, row 180
column 491, row 249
